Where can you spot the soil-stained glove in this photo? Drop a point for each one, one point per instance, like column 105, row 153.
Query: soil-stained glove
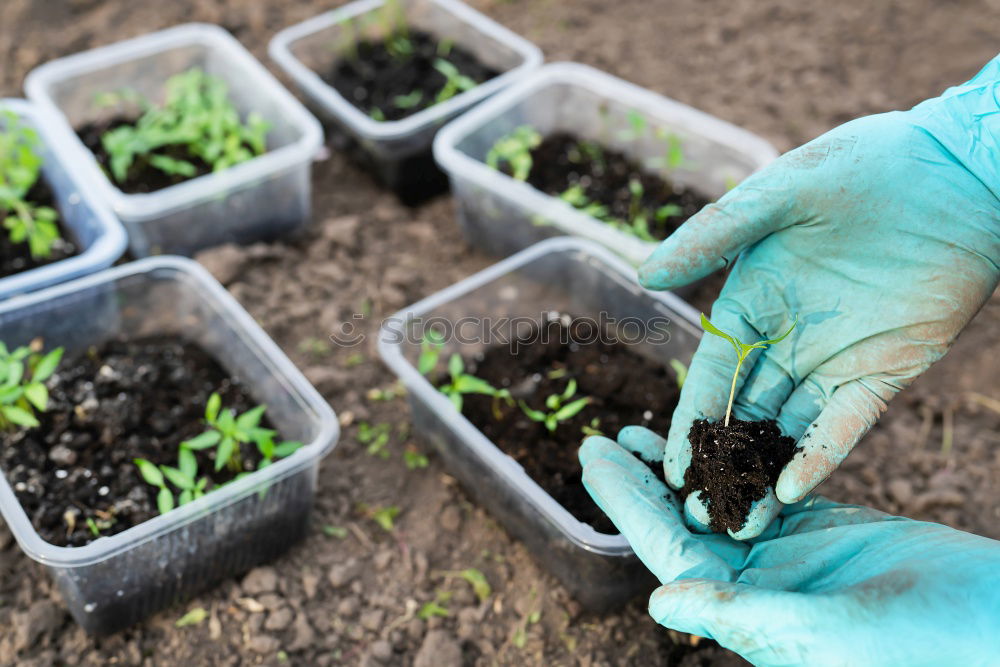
column 882, row 237
column 827, row 584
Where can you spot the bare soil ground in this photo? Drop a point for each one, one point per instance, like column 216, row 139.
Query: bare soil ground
column 785, row 69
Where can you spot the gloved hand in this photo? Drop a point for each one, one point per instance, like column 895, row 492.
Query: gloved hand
column 827, row 584
column 882, row 236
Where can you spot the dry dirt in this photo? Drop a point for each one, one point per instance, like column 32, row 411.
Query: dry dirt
column 787, row 70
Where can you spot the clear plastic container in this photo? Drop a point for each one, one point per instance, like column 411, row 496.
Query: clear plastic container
column 568, row 276
column 262, row 198
column 399, row 152
column 118, row 580
column 502, row 215
column 90, row 223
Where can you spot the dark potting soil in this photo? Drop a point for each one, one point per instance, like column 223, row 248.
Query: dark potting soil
column 626, row 389
column 374, row 78
column 117, row 402
column 16, row 257
column 734, row 466
column 563, row 160
column 142, row 177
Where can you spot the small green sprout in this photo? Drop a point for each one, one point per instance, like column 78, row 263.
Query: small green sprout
column 228, row 431
column 742, row 352
column 338, row 532
column 20, row 168
column 575, row 196
column 435, row 607
column 414, row 459
column 22, row 384
column 455, row 81
column 197, row 116
column 409, row 100
column 514, row 149
column 558, row 408
column 92, row 527
column 680, row 372
column 593, row 428
column 430, row 351
column 193, row 617
column 355, row 359
column 462, row 383
column 399, row 46
column 637, row 126
column 385, row 517
column 668, row 211
column 673, row 156
column 480, row 585
column 375, row 437
column 376, row 114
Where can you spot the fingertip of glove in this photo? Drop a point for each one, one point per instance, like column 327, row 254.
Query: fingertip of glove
column 592, row 448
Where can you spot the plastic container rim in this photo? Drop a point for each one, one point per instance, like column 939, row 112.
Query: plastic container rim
column 566, row 217
column 577, row 532
column 253, row 336
column 147, row 206
column 110, row 243
column 280, row 51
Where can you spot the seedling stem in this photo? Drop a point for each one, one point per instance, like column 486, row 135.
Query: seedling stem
column 742, row 352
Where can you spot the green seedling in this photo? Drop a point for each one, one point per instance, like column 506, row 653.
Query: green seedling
column 668, row 211
column 414, row 459
column 742, row 352
column 385, row 517
column 480, row 585
column 228, row 431
column 673, row 155
column 435, row 607
column 593, row 428
column 575, row 196
column 193, row 617
column 462, row 383
column 22, row 385
column 20, row 168
column 399, row 46
column 514, row 150
column 153, row 475
column 559, row 410
column 355, row 359
column 338, row 532
column 376, row 114
column 430, row 351
column 92, row 527
column 455, row 81
column 409, row 100
column 636, row 128
column 198, row 116
column 587, row 150
column 680, row 372
column 376, row 438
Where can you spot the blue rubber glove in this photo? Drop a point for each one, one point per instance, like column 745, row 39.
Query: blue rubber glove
column 882, row 236
column 827, row 584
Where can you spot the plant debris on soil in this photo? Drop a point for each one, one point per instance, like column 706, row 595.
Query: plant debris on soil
column 16, row 257
column 563, row 160
column 734, row 466
column 625, row 389
column 143, row 178
column 123, row 400
column 375, row 78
